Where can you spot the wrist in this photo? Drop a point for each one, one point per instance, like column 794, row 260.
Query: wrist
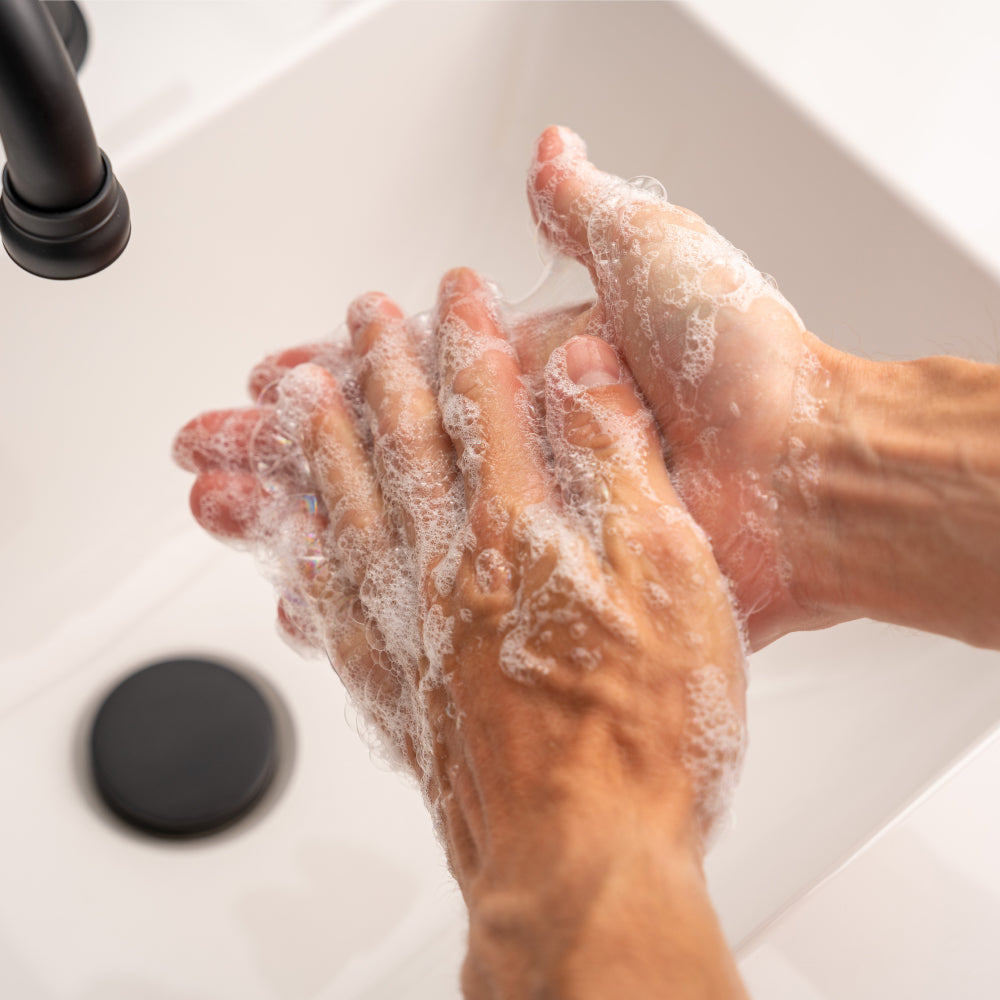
column 813, row 562
column 632, row 921
column 894, row 496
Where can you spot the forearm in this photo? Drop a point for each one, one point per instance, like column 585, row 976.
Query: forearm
column 643, row 928
column 896, row 506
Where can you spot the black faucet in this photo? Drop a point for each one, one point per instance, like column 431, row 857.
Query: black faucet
column 63, row 213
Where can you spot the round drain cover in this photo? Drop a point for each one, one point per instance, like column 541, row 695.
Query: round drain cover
column 183, row 747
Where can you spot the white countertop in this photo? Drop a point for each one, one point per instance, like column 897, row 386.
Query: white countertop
column 911, row 90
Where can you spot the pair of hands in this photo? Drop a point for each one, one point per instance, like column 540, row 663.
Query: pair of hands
column 475, row 520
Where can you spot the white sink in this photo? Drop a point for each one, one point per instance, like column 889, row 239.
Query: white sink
column 395, row 148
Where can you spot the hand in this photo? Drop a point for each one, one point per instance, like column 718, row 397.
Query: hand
column 532, row 622
column 732, row 375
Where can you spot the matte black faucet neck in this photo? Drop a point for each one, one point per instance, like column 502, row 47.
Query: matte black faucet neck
column 62, row 212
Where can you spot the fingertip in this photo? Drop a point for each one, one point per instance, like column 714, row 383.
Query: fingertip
column 304, row 395
column 591, row 361
column 266, row 373
column 308, row 381
column 227, row 505
column 471, row 298
column 557, row 139
column 217, row 439
column 185, row 450
column 295, row 632
column 548, row 144
column 458, row 282
column 563, row 188
column 367, row 310
column 586, row 371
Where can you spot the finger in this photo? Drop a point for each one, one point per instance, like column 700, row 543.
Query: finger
column 220, row 439
column 366, row 567
column 317, row 415
column 229, row 505
column 536, row 335
column 486, row 409
column 292, row 555
column 605, row 443
column 403, row 716
column 413, row 455
column 262, row 384
column 563, row 190
column 583, row 210
column 321, row 607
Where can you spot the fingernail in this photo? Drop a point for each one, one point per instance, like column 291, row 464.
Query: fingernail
column 591, row 362
column 365, row 309
column 558, row 139
column 459, row 281
column 457, row 285
column 302, row 392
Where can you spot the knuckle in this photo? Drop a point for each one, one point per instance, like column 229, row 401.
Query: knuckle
column 493, row 373
column 584, row 429
column 600, row 417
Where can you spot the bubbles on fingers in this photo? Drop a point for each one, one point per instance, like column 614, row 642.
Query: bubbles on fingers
column 599, row 435
column 273, row 453
column 216, row 440
column 557, row 188
column 412, row 460
column 230, row 506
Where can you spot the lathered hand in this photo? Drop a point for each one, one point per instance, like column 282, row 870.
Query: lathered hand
column 529, row 618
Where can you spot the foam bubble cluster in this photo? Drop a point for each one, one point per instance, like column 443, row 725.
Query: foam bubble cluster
column 714, row 745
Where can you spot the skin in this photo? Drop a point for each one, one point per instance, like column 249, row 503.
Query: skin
column 884, row 502
column 566, row 798
column 565, row 795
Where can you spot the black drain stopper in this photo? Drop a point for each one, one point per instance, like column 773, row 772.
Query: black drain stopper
column 183, row 747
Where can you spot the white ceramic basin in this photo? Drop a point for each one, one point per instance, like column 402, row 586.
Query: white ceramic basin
column 395, row 149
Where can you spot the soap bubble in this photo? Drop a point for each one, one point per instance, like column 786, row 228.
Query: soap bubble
column 649, row 185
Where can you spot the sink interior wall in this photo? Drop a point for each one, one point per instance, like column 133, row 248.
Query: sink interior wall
column 397, row 153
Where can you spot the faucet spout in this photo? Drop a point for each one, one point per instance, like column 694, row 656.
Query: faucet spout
column 63, row 213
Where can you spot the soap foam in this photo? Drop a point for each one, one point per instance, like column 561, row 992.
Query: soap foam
column 669, row 279
column 714, row 745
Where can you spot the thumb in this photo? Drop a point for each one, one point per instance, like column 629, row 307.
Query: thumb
column 585, row 212
column 564, row 188
column 605, row 444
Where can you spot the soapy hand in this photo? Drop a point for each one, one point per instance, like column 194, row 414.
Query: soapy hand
column 734, row 379
column 520, row 605
column 732, row 375
column 481, row 560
